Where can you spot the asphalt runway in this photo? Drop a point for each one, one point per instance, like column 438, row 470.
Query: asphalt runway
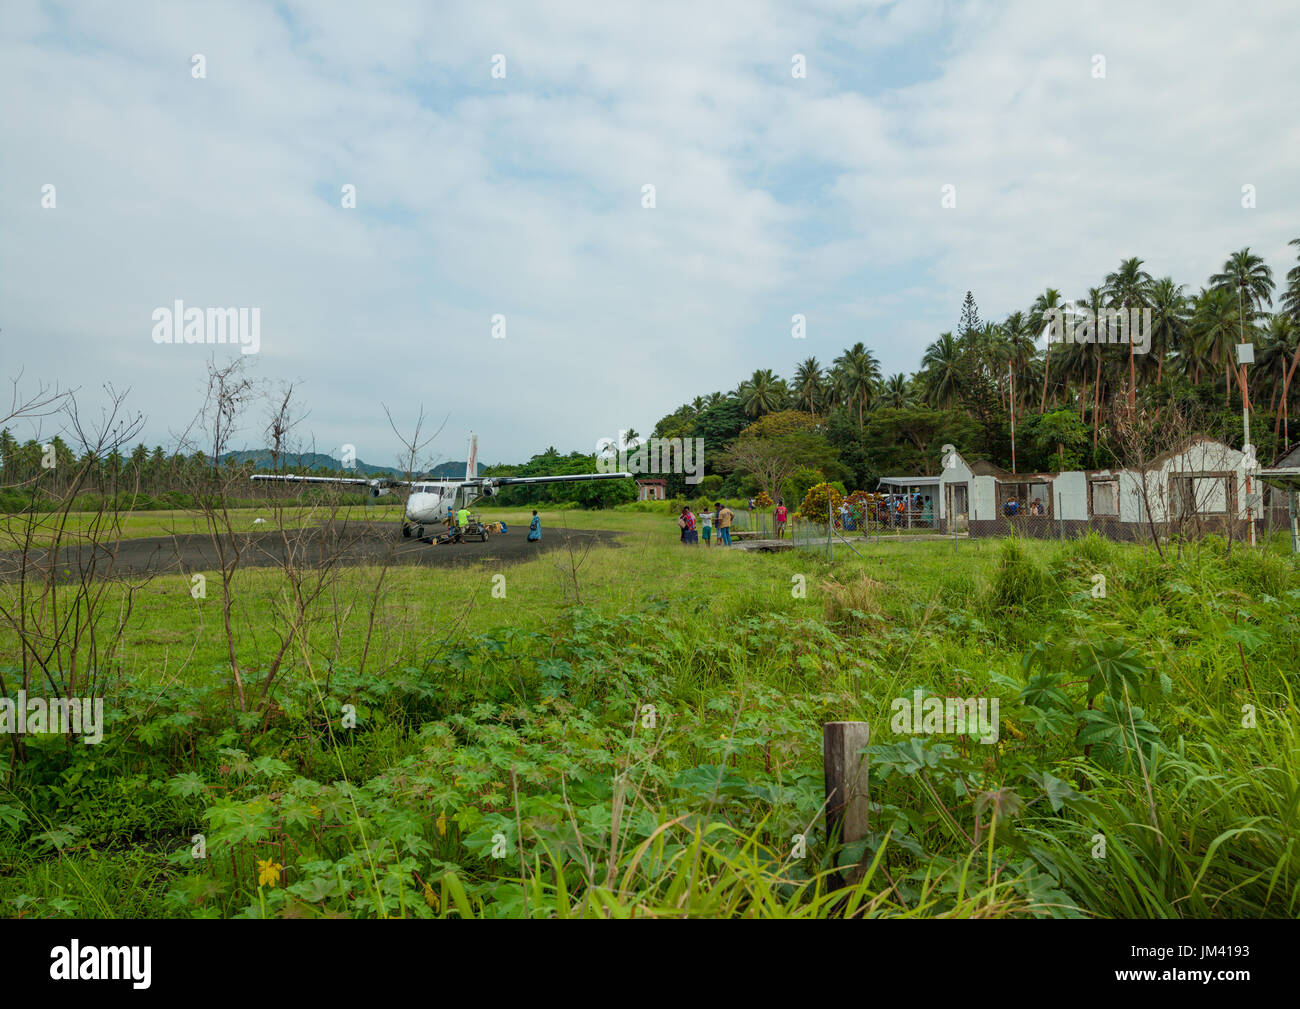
column 341, row 544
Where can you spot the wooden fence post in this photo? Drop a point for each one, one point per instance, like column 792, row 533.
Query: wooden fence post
column 846, row 782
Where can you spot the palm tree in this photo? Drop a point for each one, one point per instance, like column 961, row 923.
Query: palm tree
column 1291, row 298
column 1247, row 275
column 810, row 386
column 939, row 371
column 1278, row 356
column 157, row 468
column 1193, row 355
column 1129, row 287
column 1020, row 335
column 988, row 346
column 896, row 391
column 763, row 393
column 1096, row 303
column 1168, row 321
column 1043, row 305
column 1216, row 320
column 1072, row 359
column 855, row 377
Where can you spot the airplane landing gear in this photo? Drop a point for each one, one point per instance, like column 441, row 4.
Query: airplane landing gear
column 406, row 531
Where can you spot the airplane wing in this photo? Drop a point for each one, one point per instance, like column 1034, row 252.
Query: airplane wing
column 509, row 481
column 374, row 484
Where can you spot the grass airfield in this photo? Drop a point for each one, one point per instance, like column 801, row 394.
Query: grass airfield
column 510, row 702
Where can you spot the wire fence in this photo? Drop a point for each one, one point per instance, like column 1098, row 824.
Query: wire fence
column 849, row 526
column 860, row 520
column 902, row 517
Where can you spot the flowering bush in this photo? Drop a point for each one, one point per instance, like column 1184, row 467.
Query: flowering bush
column 815, row 503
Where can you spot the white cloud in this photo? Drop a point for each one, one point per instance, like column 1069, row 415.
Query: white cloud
column 522, row 196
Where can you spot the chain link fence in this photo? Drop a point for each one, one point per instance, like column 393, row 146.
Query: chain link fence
column 863, row 522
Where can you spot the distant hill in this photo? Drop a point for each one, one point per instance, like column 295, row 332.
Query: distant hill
column 261, row 458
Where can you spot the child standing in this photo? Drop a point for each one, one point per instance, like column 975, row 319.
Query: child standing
column 706, row 527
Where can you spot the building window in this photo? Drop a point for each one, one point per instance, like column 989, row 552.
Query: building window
column 1103, row 498
column 1201, row 494
column 1032, row 498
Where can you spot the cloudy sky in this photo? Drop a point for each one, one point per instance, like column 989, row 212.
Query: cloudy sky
column 1075, row 135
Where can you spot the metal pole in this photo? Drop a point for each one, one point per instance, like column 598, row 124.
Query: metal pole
column 1246, row 355
column 1295, row 520
column 1011, row 377
column 952, row 514
column 830, row 525
column 1245, row 410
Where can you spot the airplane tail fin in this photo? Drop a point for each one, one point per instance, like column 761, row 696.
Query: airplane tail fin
column 471, row 465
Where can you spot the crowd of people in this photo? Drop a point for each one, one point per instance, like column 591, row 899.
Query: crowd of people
column 878, row 511
column 1011, row 507
column 692, row 526
column 891, row 510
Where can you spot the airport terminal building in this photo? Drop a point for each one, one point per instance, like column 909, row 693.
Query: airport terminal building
column 1198, row 487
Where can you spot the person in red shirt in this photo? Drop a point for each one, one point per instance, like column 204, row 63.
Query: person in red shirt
column 781, row 514
column 687, row 524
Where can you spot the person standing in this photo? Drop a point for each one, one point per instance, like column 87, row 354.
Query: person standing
column 725, row 517
column 781, row 515
column 535, row 528
column 706, row 527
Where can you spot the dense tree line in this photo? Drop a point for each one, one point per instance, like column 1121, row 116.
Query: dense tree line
column 46, row 470
column 596, row 494
column 975, row 383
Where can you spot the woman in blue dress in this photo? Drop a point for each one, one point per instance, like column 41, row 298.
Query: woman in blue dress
column 535, row 527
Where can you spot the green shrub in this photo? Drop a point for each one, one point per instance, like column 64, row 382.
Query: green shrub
column 815, row 507
column 1019, row 583
column 1260, row 571
column 711, row 486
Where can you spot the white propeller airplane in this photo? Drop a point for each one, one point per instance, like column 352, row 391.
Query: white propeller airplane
column 433, row 501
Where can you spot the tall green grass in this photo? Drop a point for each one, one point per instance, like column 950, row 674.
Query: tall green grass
column 1146, row 764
